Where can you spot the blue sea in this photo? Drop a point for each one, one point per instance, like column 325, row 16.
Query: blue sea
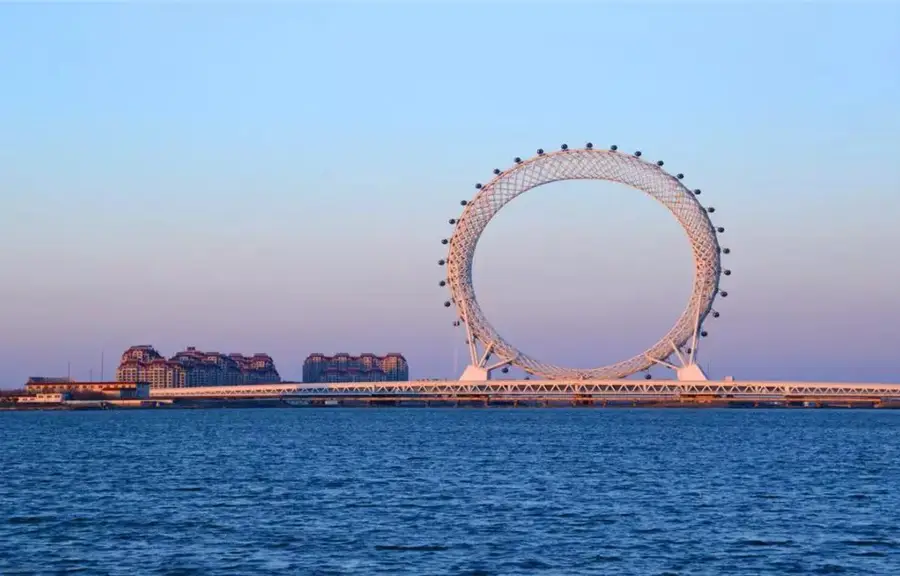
column 450, row 491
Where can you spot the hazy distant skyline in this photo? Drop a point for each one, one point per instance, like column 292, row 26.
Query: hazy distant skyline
column 248, row 178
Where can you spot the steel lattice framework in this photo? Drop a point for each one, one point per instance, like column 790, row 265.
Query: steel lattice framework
column 584, row 164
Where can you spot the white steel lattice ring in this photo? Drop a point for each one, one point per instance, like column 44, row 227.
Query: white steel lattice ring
column 585, row 164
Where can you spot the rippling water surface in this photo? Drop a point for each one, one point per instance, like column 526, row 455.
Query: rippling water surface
column 450, row 491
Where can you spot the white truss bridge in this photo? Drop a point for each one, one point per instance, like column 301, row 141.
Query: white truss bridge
column 549, row 389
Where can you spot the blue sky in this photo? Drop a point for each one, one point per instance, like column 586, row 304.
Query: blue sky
column 278, row 178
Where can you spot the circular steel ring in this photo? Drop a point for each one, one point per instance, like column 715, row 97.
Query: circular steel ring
column 585, row 164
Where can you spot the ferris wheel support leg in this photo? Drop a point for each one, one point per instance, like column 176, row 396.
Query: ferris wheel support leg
column 691, row 373
column 474, row 373
column 500, row 364
column 477, row 371
column 470, row 342
column 486, row 354
column 695, row 341
column 678, row 353
column 661, row 362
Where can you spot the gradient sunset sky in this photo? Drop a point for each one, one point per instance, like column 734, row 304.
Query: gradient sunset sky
column 278, row 179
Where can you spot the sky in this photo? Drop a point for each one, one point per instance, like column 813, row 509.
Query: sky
column 277, row 178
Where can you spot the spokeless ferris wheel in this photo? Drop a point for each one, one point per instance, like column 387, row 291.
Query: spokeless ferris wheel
column 677, row 349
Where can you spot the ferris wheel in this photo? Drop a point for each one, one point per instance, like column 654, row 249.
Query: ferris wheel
column 677, row 349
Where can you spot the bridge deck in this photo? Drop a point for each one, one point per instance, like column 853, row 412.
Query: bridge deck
column 544, row 389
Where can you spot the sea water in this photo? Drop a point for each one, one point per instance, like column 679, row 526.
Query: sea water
column 450, row 491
